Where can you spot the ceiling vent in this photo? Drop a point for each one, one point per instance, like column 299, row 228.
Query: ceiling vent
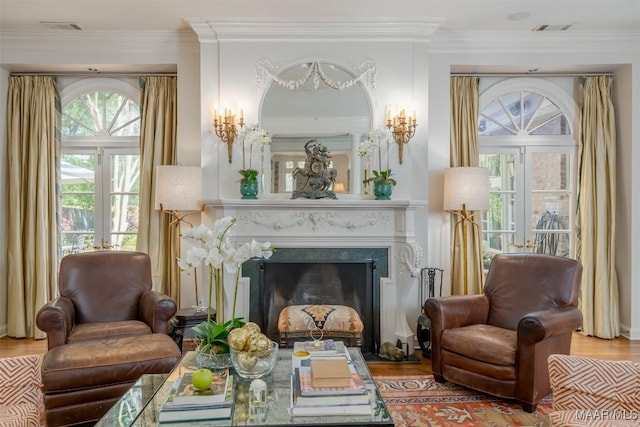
column 61, row 25
column 547, row 27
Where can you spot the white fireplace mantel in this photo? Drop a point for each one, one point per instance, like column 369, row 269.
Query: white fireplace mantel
column 343, row 223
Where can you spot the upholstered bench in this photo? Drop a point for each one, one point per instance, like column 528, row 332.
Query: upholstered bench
column 335, row 321
column 20, row 391
column 82, row 380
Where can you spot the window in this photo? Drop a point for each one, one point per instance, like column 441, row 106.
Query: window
column 100, row 166
column 526, row 142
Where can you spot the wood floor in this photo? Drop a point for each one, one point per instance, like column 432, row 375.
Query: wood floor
column 616, row 349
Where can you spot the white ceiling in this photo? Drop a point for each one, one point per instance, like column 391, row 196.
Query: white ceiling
column 456, row 15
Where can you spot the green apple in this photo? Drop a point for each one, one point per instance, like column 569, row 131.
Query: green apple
column 202, row 378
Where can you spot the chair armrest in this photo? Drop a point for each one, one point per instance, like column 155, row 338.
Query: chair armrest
column 457, row 311
column 156, row 309
column 452, row 312
column 540, row 325
column 57, row 318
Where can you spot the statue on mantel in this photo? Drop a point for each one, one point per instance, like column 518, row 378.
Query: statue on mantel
column 316, row 178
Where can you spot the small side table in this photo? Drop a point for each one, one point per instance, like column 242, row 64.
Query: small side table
column 184, row 320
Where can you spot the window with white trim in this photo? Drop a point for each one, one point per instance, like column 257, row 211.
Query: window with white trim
column 526, row 142
column 100, row 166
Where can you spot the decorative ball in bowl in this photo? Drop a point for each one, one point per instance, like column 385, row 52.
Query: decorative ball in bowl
column 253, row 354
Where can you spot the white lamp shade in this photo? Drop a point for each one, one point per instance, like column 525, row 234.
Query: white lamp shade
column 178, row 188
column 468, row 186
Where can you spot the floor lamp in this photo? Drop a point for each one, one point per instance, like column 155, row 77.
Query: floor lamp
column 178, row 194
column 466, row 194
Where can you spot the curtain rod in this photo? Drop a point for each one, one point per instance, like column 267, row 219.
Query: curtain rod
column 84, row 74
column 607, row 73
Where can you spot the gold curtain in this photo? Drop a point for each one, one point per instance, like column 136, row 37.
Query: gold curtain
column 33, row 148
column 596, row 215
column 158, row 147
column 464, row 152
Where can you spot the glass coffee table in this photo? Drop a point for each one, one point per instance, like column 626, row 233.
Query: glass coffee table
column 141, row 404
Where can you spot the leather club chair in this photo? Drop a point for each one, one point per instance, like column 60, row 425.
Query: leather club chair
column 499, row 342
column 105, row 330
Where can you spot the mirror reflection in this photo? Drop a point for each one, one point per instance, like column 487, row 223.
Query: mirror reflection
column 338, row 119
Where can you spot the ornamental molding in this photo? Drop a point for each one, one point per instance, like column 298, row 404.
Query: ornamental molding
column 365, row 73
column 410, row 257
column 313, row 220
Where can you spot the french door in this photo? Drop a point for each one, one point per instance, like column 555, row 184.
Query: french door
column 99, row 199
column 531, row 198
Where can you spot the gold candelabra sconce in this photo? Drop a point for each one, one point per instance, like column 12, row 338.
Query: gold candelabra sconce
column 226, row 128
column 402, row 128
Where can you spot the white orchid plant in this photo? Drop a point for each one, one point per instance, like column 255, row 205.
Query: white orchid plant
column 251, row 135
column 376, row 140
column 215, row 250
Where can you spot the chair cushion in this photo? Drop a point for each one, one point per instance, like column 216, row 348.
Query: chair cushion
column 590, row 418
column 486, row 343
column 326, row 317
column 21, row 401
column 21, row 415
column 96, row 363
column 92, row 331
column 586, row 383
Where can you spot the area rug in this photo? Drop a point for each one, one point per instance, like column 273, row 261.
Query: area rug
column 418, row 400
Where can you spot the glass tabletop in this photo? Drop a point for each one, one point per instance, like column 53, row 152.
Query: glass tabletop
column 140, row 405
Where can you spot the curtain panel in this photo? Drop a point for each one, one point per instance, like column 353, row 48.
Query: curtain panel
column 464, row 152
column 596, row 212
column 33, row 149
column 158, row 129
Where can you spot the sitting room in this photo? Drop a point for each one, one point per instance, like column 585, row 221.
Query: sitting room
column 362, row 167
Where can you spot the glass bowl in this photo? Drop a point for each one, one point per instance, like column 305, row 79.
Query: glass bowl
column 254, row 365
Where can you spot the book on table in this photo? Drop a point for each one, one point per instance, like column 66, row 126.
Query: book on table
column 184, row 393
column 178, row 411
column 327, row 405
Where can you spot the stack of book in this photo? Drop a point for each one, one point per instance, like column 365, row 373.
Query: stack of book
column 186, row 403
column 328, row 387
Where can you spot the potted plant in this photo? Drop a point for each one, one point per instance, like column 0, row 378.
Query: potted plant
column 251, row 136
column 214, row 248
column 382, row 182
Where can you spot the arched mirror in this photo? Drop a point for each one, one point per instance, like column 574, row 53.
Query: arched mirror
column 307, row 101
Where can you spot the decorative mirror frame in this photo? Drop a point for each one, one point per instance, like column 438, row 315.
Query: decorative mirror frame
column 363, row 75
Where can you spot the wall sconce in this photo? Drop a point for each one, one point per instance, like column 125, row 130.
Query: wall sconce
column 466, row 189
column 338, row 187
column 402, row 128
column 226, row 129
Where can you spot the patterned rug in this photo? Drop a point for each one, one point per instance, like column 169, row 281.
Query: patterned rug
column 418, row 400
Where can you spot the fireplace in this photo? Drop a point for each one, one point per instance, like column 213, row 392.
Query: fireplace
column 349, row 230
column 345, row 276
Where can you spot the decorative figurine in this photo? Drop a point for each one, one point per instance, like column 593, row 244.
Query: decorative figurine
column 316, row 179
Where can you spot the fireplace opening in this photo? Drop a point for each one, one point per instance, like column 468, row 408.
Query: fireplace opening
column 306, row 276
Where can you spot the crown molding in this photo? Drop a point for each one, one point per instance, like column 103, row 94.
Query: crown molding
column 518, row 41
column 245, row 30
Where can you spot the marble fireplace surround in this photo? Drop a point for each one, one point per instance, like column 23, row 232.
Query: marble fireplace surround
column 324, row 223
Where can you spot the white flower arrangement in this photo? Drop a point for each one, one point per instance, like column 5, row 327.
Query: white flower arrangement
column 214, row 248
column 252, row 135
column 376, row 139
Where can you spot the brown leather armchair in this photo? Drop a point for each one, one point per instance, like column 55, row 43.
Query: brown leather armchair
column 105, row 330
column 499, row 342
column 105, row 294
